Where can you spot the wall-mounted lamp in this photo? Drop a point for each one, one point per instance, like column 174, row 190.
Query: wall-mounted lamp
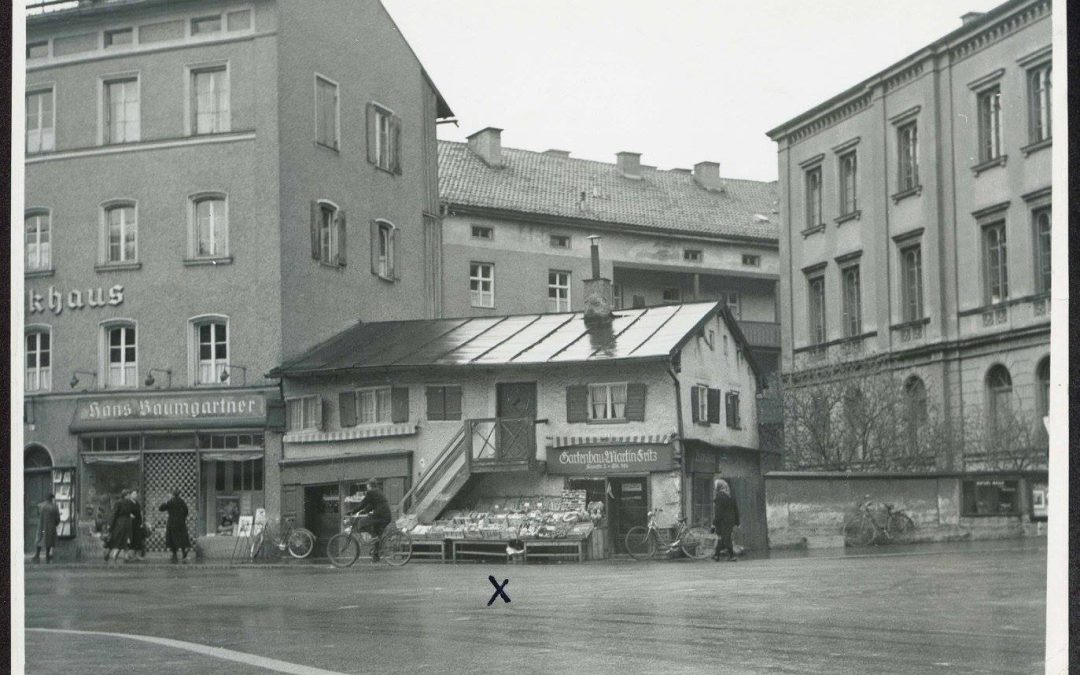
column 227, row 369
column 75, row 377
column 150, row 377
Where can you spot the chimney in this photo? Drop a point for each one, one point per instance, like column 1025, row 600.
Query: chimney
column 565, row 154
column 487, row 145
column 629, row 164
column 707, row 175
column 971, row 16
column 598, row 295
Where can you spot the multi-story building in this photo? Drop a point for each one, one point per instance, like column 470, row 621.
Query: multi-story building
column 517, row 223
column 916, row 227
column 211, row 187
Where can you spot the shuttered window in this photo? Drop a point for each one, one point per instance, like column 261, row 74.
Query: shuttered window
column 328, row 233
column 443, row 403
column 304, row 412
column 385, row 250
column 731, row 401
column 704, row 405
column 607, row 402
column 384, row 138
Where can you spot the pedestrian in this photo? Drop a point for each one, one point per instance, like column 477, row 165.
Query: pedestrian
column 139, row 530
column 47, row 522
column 725, row 518
column 176, row 532
column 120, row 528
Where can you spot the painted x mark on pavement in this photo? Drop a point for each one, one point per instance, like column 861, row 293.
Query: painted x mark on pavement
column 498, row 590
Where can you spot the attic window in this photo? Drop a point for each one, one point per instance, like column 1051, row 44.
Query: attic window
column 751, row 260
column 692, row 254
column 560, row 241
column 481, row 232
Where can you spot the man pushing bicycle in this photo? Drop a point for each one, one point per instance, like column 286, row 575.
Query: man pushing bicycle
column 372, row 515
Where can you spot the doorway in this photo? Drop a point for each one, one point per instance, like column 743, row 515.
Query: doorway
column 516, row 409
column 37, row 484
column 629, row 507
column 322, row 512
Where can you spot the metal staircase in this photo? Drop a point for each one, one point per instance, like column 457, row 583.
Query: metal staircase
column 447, row 475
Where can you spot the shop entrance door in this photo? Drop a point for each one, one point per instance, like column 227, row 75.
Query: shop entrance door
column 516, row 408
column 37, row 484
column 164, row 472
column 629, row 508
column 322, row 512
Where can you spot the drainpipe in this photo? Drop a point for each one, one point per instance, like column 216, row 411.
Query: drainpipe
column 679, row 421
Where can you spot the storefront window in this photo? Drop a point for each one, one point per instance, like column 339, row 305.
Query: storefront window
column 102, row 486
column 111, row 444
column 991, row 498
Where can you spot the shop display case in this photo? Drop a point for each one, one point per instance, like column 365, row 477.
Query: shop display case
column 63, row 480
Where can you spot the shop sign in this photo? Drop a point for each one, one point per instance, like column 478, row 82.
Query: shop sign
column 1039, row 500
column 600, row 460
column 191, row 410
column 56, row 300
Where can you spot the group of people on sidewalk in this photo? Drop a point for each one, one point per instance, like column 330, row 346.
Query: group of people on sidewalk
column 128, row 532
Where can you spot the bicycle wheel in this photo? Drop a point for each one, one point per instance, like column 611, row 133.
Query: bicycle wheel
column 900, row 524
column 866, row 532
column 256, row 545
column 640, row 543
column 301, row 543
column 698, row 543
column 396, row 548
column 343, row 549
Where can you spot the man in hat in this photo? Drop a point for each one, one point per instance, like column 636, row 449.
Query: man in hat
column 46, row 535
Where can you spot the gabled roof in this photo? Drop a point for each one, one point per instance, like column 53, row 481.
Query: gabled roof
column 540, row 184
column 525, row 339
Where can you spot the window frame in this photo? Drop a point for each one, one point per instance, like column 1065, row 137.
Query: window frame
column 672, row 290
column 117, row 30
column 38, row 213
column 337, row 112
column 733, row 301
column 39, row 372
column 194, row 237
column 754, row 258
column 328, row 232
column 305, row 424
column 192, row 21
column 553, row 238
column 1042, row 384
column 694, row 255
column 557, row 306
column 478, row 295
column 849, row 203
column 107, row 208
column 441, row 391
column 813, row 205
column 374, row 392
column 989, row 123
column 35, row 91
column 817, row 327
column 609, row 402
column 105, row 134
column 702, row 404
column 473, row 229
column 195, row 361
column 1042, row 248
column 995, row 274
column 732, row 403
column 998, row 394
column 191, row 110
column 104, row 355
column 907, row 146
column 386, row 260
column 907, row 293
column 969, row 497
column 1038, row 130
column 390, row 160
column 851, row 306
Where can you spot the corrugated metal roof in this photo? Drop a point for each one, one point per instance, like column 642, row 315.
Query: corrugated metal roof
column 528, row 339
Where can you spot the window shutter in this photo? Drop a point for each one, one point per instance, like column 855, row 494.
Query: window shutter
column 396, row 248
column 396, row 145
column 435, row 408
column 291, row 502
column 347, row 408
column 453, row 403
column 714, row 405
column 695, row 395
column 320, row 414
column 735, row 408
column 371, row 134
column 315, row 229
column 399, row 404
column 728, row 411
column 635, row 401
column 577, row 403
column 341, row 238
column 374, row 247
column 275, row 414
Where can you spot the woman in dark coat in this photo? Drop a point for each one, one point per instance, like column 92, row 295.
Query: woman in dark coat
column 176, row 533
column 138, row 527
column 120, row 528
column 725, row 518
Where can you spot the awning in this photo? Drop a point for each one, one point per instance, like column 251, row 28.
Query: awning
column 308, row 471
column 110, row 458
column 232, row 456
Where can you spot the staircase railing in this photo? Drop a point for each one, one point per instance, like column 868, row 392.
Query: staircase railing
column 424, row 484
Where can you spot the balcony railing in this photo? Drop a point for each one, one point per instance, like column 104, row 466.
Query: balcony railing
column 761, row 333
column 502, row 442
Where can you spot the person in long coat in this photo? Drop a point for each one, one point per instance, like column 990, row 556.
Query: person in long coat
column 725, row 518
column 138, row 527
column 176, row 532
column 120, row 528
column 46, row 534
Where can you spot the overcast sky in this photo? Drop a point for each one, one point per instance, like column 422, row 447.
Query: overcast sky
column 680, row 81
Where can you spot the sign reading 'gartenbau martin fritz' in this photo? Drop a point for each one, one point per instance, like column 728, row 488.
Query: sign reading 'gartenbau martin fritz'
column 196, row 409
column 611, row 459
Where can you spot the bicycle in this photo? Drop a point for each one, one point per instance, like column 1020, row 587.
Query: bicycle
column 697, row 543
column 298, row 541
column 343, row 549
column 865, row 529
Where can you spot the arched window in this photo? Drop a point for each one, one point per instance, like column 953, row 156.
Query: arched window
column 915, row 399
column 36, row 457
column 1042, row 393
column 999, row 390
column 209, row 226
column 38, row 240
column 38, row 359
column 210, row 343
column 121, row 233
column 120, row 354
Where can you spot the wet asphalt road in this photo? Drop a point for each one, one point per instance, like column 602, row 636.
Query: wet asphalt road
column 966, row 608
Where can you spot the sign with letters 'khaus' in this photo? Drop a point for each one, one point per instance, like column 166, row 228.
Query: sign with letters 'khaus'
column 190, row 410
column 56, row 300
column 600, row 460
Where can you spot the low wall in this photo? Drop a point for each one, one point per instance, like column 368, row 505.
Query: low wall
column 810, row 509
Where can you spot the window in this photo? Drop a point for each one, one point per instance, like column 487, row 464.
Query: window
column 731, row 407
column 1039, row 103
column 326, row 112
column 384, row 138
column 990, row 498
column 852, row 301
column 915, row 400
column 995, row 264
column 558, row 291
column 1042, row 393
column 120, row 355
column 373, row 405
column 638, row 301
column 120, row 109
column 671, row 295
column 40, row 121
column 210, row 101
column 38, row 360
column 692, row 255
column 240, row 20
column 911, row 282
column 813, row 198
column 699, row 401
column 384, row 250
column 482, row 284
column 616, row 296
column 246, row 475
column 212, row 350
column 908, row 145
column 120, row 233
column 211, row 227
column 848, row 169
column 816, row 286
column 1041, row 218
column 731, row 300
column 231, row 441
column 304, row 413
column 444, row 403
column 328, row 240
column 607, row 401
column 485, row 233
column 121, row 36
column 207, row 24
column 37, row 50
column 560, row 241
column 38, row 241
column 111, row 443
column 989, row 103
column 751, row 260
column 999, row 391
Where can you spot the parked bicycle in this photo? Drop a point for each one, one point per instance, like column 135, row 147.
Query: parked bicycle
column 298, row 541
column 345, row 547
column 867, row 528
column 642, row 543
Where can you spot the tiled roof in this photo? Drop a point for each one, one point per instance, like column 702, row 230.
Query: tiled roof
column 542, row 184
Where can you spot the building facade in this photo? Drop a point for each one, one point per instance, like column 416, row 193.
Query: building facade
column 208, row 192
column 916, row 233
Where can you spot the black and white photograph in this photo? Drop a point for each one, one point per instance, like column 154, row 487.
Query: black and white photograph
column 489, row 336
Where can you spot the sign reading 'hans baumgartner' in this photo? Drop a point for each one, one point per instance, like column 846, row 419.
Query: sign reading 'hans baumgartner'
column 611, row 459
column 185, row 410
